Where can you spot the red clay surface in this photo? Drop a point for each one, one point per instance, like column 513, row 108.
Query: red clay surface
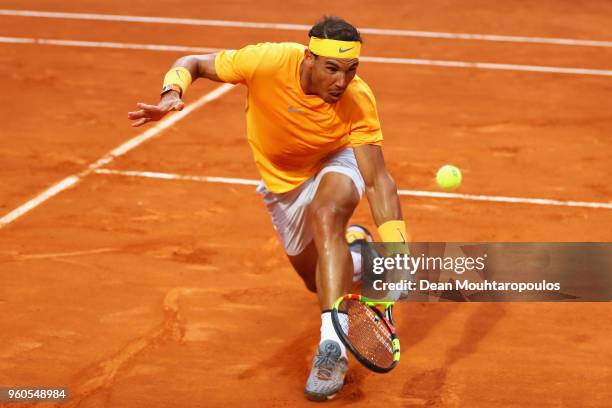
column 138, row 292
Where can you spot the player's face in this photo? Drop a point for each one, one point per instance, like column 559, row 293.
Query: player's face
column 331, row 77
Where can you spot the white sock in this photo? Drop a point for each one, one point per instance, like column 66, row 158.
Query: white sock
column 356, row 265
column 328, row 332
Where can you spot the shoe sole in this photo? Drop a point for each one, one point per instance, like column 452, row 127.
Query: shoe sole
column 318, row 397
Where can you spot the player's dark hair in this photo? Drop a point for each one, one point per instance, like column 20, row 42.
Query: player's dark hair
column 334, row 28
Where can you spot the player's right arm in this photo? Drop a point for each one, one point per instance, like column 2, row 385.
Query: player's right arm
column 200, row 66
column 197, row 66
column 235, row 66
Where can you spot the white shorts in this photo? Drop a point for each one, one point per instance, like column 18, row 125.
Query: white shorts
column 288, row 210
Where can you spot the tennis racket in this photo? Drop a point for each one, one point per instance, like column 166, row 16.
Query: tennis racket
column 367, row 332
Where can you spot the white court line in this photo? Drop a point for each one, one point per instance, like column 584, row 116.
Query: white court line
column 413, row 193
column 489, row 65
column 502, row 199
column 168, row 176
column 112, row 155
column 383, row 60
column 105, row 44
column 303, row 27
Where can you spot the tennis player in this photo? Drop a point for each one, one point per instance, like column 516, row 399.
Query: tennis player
column 315, row 135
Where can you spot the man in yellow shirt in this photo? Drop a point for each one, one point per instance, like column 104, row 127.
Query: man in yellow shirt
column 313, row 128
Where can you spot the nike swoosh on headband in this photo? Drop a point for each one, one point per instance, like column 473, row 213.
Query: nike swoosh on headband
column 345, row 50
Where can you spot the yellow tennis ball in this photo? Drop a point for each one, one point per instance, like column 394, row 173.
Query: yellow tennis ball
column 448, row 177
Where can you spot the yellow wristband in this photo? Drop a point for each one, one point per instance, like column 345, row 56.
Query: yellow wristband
column 178, row 76
column 393, row 231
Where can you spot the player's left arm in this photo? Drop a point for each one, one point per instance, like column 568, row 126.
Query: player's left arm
column 381, row 191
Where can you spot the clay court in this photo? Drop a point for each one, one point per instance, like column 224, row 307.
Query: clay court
column 164, row 287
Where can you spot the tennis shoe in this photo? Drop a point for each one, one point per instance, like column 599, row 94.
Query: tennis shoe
column 356, row 235
column 327, row 374
column 357, row 238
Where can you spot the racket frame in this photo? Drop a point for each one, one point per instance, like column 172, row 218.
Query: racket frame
column 387, row 318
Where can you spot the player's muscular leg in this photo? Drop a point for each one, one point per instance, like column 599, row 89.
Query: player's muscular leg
column 330, row 211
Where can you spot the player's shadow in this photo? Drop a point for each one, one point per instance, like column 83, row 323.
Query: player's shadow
column 426, row 386
column 414, row 321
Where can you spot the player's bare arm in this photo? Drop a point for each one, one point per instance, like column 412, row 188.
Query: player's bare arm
column 197, row 66
column 381, row 189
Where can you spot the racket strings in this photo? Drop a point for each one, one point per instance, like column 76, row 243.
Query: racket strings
column 368, row 334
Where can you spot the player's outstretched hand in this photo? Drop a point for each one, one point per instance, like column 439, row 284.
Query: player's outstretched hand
column 151, row 113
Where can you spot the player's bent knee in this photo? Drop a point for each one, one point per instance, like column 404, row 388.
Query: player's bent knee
column 327, row 218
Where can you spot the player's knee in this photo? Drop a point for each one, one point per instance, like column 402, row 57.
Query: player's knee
column 326, row 217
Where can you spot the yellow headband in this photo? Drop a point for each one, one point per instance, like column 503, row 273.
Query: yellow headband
column 334, row 48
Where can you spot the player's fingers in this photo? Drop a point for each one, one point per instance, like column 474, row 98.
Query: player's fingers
column 146, row 107
column 179, row 106
column 140, row 122
column 136, row 114
column 143, row 121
